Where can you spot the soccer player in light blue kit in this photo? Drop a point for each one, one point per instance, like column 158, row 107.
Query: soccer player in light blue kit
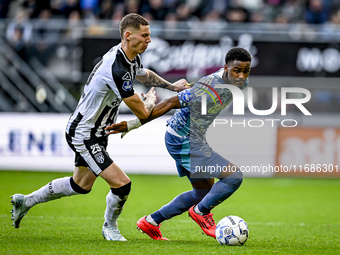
column 186, row 142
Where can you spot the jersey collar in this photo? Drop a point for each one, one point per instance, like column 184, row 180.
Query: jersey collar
column 125, row 57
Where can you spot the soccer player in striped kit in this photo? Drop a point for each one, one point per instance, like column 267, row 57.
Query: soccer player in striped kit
column 110, row 83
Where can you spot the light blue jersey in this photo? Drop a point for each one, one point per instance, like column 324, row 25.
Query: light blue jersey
column 185, row 141
column 188, row 121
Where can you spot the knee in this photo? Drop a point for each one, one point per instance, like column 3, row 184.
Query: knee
column 77, row 188
column 200, row 193
column 115, row 176
column 123, row 181
column 83, row 178
column 122, row 191
column 84, row 185
column 126, row 180
column 236, row 179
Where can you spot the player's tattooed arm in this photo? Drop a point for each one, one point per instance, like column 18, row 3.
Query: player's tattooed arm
column 151, row 79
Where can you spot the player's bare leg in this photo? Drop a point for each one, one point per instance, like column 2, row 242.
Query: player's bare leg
column 120, row 185
column 84, row 177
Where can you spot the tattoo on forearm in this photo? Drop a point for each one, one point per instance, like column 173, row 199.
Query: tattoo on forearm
column 155, row 81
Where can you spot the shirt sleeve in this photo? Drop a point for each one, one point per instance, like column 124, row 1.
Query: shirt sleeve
column 185, row 97
column 123, row 81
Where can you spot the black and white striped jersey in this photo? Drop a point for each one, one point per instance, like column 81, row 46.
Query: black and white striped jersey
column 110, row 81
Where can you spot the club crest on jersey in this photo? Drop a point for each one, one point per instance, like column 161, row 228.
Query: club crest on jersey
column 127, row 85
column 187, row 96
column 99, row 157
column 206, row 151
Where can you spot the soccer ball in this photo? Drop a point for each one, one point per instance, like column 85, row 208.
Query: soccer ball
column 232, row 230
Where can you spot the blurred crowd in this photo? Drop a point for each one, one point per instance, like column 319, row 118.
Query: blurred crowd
column 274, row 11
column 43, row 40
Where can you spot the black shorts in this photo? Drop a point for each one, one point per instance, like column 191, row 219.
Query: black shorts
column 90, row 153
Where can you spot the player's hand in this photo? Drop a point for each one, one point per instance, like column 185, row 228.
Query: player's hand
column 150, row 96
column 180, row 85
column 117, row 128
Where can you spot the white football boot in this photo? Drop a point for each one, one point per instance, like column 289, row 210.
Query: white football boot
column 112, row 234
column 19, row 209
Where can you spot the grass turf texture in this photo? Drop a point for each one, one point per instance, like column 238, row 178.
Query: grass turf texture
column 285, row 216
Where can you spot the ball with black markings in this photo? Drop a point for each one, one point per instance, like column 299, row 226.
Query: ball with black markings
column 232, row 230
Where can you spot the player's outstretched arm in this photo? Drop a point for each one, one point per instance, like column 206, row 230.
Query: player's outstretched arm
column 142, row 109
column 162, row 108
column 159, row 110
column 151, row 79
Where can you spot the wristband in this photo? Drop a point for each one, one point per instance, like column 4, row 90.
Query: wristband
column 133, row 124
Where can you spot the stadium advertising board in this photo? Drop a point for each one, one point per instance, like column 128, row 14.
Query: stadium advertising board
column 312, row 152
column 40, row 145
column 195, row 58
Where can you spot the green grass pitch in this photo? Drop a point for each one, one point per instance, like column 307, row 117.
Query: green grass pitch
column 285, row 216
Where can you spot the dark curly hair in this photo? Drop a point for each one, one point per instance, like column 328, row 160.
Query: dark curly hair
column 237, row 53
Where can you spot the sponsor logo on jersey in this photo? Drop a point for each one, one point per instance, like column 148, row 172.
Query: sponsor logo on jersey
column 213, row 90
column 127, row 77
column 127, row 85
